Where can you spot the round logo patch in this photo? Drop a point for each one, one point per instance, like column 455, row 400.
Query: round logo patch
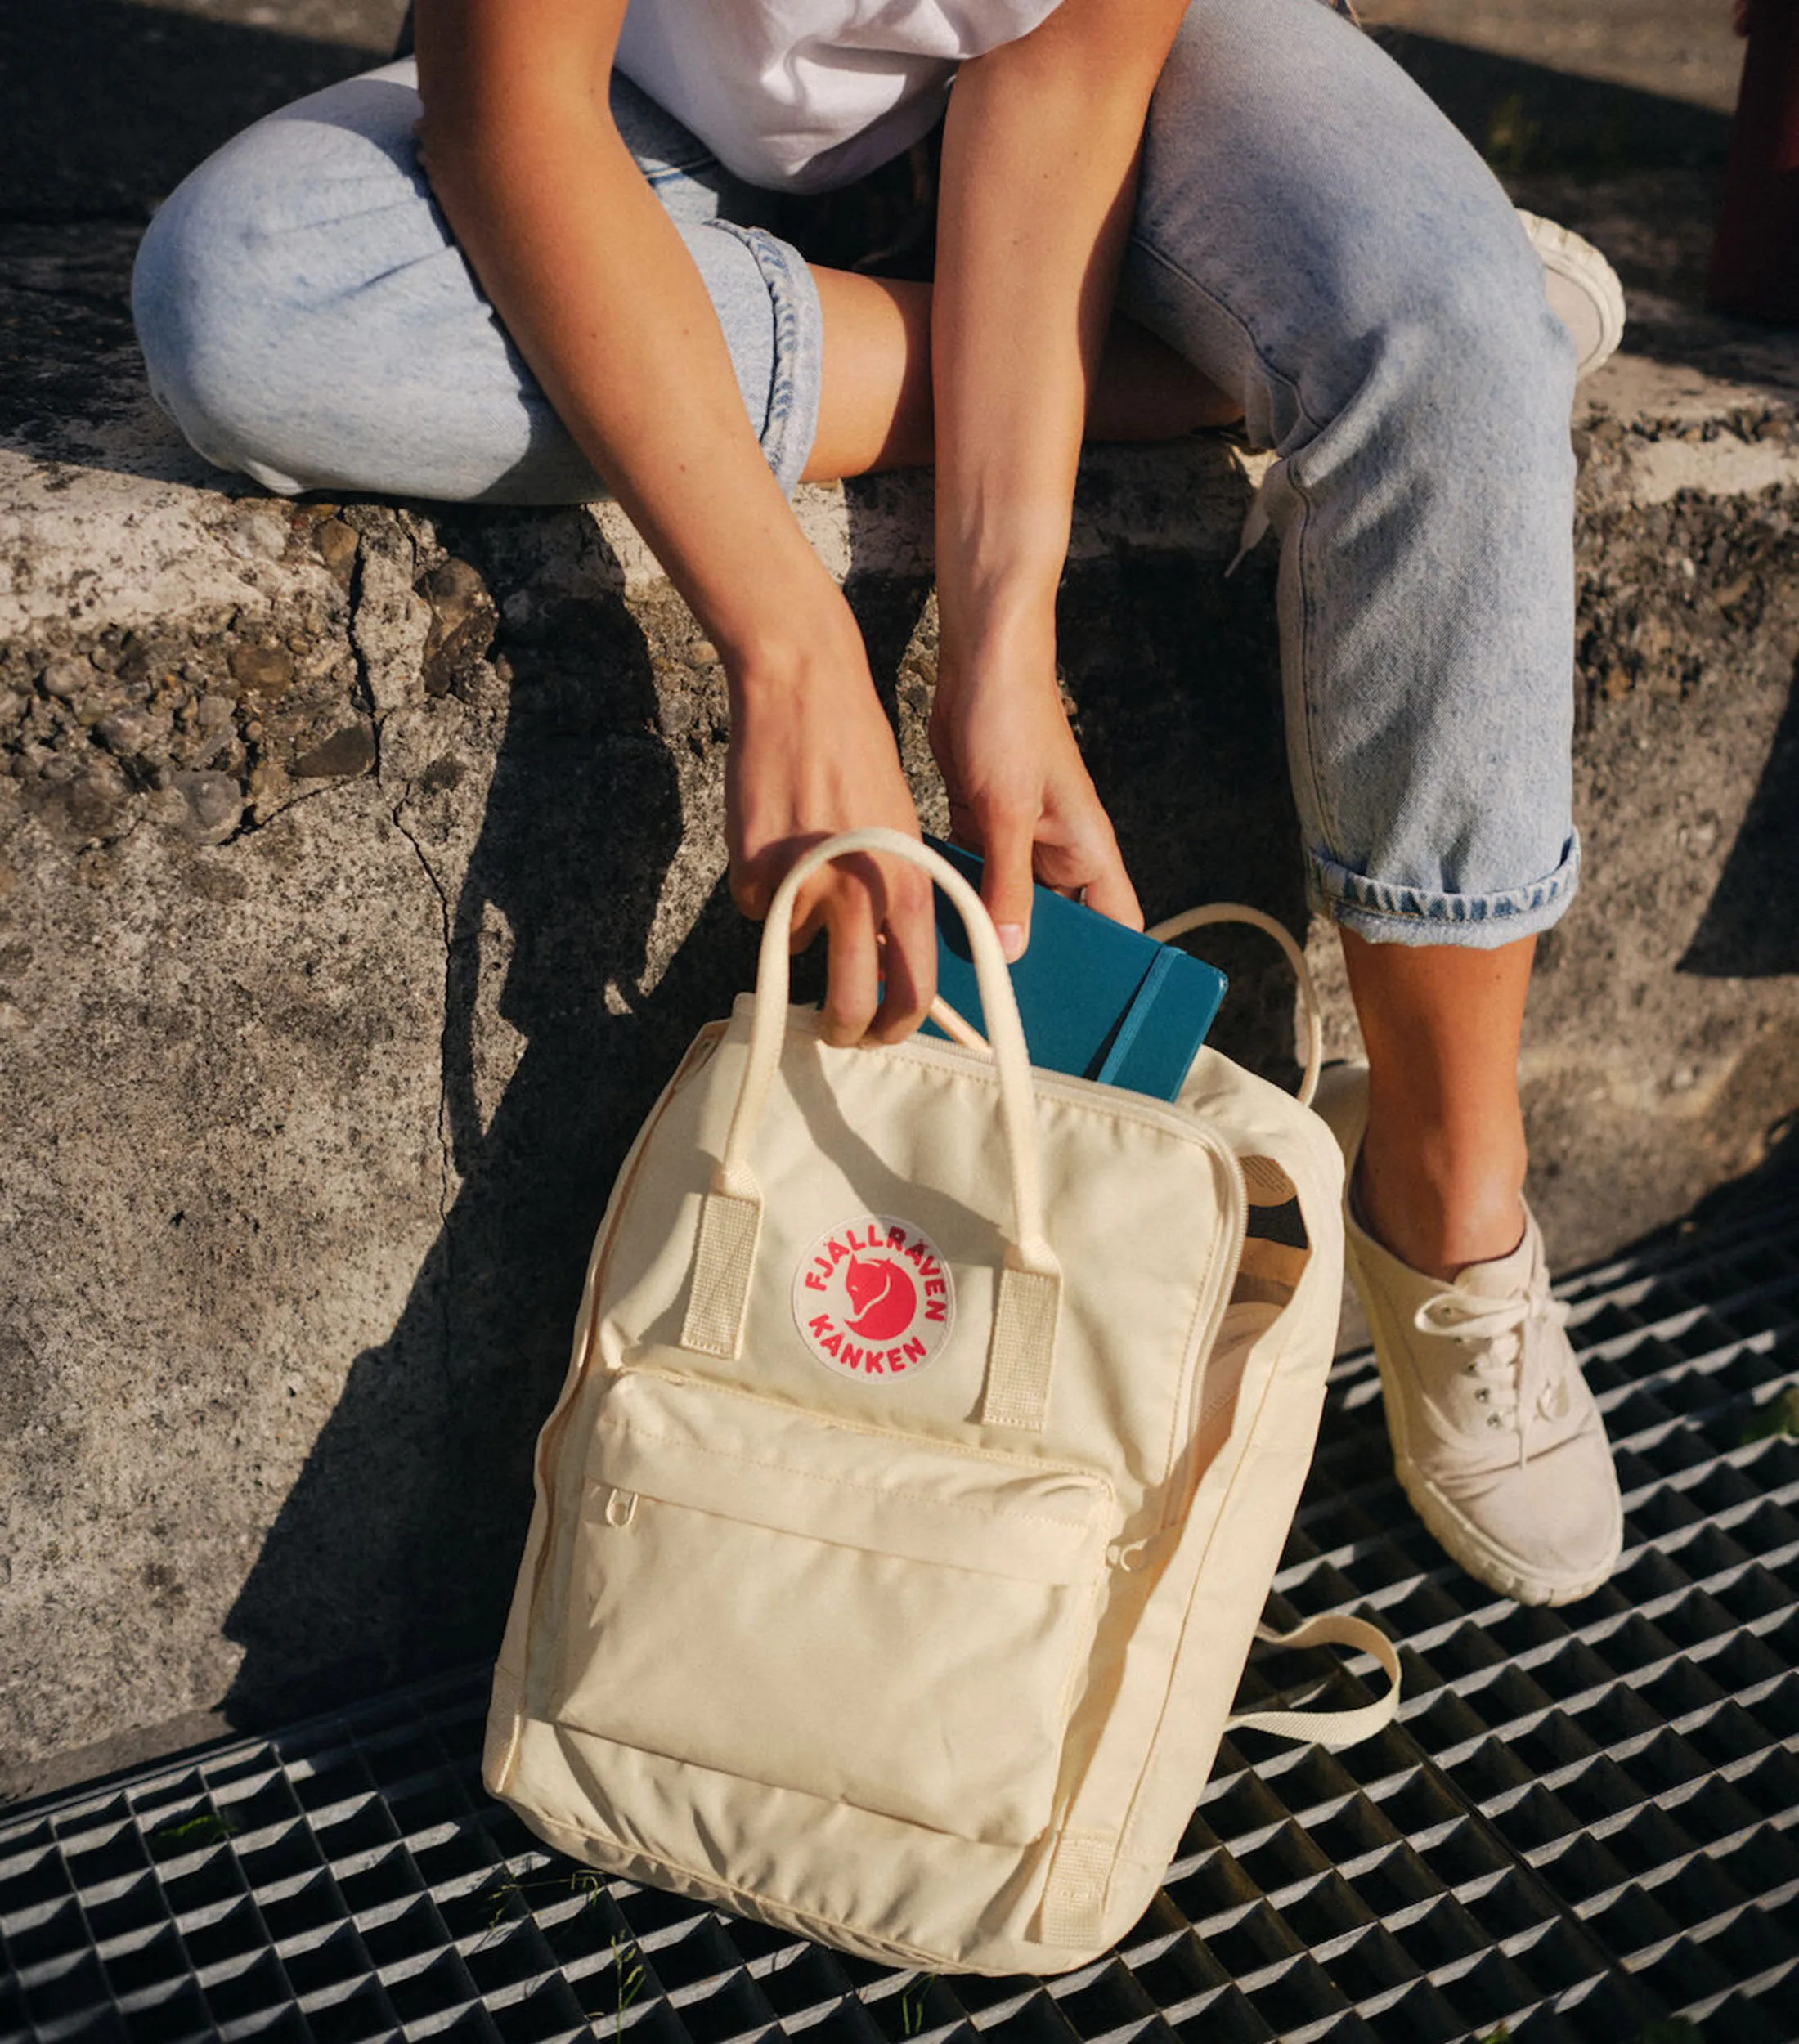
column 873, row 1299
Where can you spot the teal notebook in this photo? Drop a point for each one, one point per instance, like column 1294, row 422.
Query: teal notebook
column 1098, row 1000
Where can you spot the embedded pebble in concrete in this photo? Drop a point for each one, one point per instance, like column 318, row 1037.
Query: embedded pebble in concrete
column 214, row 804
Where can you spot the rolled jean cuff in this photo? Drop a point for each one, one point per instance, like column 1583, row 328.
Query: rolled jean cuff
column 1383, row 913
column 791, row 421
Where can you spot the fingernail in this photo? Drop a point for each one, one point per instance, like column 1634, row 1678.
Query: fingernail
column 1011, row 941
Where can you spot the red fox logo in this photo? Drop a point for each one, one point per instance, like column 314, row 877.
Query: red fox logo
column 872, row 1299
column 885, row 1299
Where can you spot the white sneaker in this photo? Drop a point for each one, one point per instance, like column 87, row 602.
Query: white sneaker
column 1495, row 1438
column 1584, row 292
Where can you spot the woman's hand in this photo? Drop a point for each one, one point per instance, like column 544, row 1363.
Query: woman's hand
column 597, row 288
column 811, row 754
column 1039, row 180
column 1019, row 791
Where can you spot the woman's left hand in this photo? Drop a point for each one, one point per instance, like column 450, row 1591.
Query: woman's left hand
column 1039, row 180
column 1019, row 793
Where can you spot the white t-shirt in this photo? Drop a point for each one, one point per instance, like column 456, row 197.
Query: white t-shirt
column 806, row 94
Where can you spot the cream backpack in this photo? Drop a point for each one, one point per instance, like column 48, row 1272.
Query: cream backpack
column 933, row 1428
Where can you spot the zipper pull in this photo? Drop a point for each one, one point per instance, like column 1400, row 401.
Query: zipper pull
column 1127, row 1556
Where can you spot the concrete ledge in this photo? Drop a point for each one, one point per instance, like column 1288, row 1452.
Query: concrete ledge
column 359, row 882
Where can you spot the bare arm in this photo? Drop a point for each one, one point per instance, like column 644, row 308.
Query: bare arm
column 1038, row 179
column 597, row 290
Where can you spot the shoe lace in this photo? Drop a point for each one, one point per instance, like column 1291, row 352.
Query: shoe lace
column 1521, row 1379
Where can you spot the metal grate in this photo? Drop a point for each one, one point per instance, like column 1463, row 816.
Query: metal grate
column 1581, row 1830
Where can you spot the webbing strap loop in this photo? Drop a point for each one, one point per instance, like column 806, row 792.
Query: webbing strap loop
column 1331, row 1728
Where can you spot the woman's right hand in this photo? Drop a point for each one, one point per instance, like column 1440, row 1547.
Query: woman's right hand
column 597, row 288
column 812, row 753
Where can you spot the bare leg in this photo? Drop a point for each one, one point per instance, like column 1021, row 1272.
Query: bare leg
column 1442, row 1162
column 874, row 406
column 874, row 409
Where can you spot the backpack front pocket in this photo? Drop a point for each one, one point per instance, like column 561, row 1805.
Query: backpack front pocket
column 871, row 1617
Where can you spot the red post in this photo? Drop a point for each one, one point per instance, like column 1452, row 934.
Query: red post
column 1755, row 259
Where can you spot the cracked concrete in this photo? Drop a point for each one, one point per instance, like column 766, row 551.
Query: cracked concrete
column 359, row 882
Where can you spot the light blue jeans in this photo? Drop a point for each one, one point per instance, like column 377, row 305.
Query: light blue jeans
column 1310, row 233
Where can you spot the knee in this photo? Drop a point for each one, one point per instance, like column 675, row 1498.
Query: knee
column 1422, row 316
column 235, row 279
column 1477, row 332
column 208, row 301
column 1447, row 333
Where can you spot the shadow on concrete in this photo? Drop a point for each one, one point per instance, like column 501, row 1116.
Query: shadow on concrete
column 402, row 1532
column 1526, row 117
column 105, row 106
column 1771, row 1186
column 1748, row 930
